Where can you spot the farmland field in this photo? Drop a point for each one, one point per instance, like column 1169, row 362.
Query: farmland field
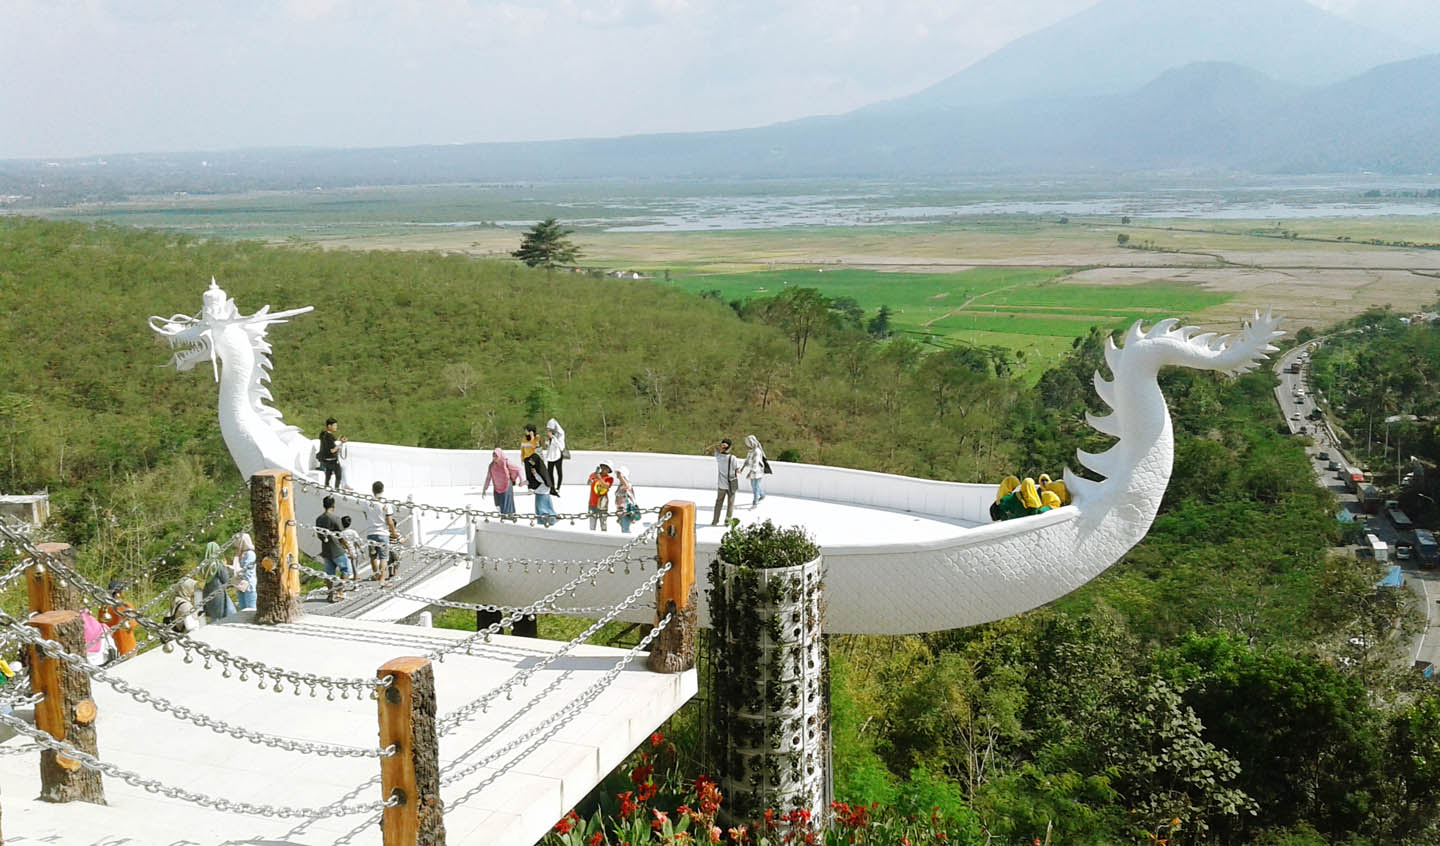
column 1028, row 267
column 1020, row 308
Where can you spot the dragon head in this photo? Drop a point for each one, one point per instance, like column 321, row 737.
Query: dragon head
column 195, row 338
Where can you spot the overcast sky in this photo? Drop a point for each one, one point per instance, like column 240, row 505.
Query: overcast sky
column 108, row 76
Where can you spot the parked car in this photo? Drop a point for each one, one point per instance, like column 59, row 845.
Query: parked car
column 1404, row 551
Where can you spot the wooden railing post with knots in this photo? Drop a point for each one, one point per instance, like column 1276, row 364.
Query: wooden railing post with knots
column 674, row 648
column 277, row 547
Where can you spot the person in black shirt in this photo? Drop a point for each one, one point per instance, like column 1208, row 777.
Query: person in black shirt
column 332, row 546
column 329, row 455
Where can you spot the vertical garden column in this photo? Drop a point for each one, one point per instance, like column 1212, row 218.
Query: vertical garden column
column 769, row 722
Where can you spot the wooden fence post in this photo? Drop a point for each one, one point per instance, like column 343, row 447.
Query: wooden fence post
column 67, row 712
column 272, row 510
column 407, row 719
column 673, row 650
column 48, row 590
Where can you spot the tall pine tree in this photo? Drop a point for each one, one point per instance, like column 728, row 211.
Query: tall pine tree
column 547, row 245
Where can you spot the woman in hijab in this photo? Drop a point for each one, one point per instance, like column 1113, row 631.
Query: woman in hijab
column 503, row 474
column 242, row 570
column 625, row 506
column 217, row 579
column 182, row 617
column 754, row 468
column 544, row 509
column 555, row 453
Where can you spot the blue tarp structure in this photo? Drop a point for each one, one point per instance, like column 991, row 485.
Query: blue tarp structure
column 1345, row 516
column 1393, row 578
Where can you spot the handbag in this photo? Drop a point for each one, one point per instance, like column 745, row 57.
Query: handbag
column 765, row 463
column 565, row 453
column 632, row 511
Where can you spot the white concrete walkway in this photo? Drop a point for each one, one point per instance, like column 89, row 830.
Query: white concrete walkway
column 513, row 800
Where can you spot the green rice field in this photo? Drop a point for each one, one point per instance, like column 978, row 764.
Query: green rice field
column 1026, row 309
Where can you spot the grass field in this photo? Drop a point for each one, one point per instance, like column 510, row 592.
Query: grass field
column 1021, row 308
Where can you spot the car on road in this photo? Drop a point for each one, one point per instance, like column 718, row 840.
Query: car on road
column 1325, row 456
column 1404, row 551
column 1295, row 416
column 1333, row 465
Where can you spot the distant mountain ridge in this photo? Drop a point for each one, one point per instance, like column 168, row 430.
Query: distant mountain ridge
column 1204, row 115
column 1118, row 45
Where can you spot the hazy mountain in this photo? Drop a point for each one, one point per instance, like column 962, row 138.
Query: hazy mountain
column 1207, row 116
column 1117, row 45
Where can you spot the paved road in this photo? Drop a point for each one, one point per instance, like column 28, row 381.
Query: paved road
column 1297, row 402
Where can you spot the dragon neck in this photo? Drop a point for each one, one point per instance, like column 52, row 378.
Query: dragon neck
column 1144, row 454
column 249, row 432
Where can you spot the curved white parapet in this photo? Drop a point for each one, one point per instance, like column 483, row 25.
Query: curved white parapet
column 902, row 555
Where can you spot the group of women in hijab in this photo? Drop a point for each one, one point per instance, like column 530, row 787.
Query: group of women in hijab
column 219, row 576
column 542, row 460
column 1023, row 497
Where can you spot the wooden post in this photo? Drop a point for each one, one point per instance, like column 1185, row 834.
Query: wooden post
column 407, row 719
column 272, row 510
column 673, row 650
column 48, row 591
column 67, row 712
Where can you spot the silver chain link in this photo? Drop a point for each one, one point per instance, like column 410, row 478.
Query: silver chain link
column 90, row 762
column 54, row 649
column 454, row 719
column 231, row 664
column 449, row 776
column 454, row 511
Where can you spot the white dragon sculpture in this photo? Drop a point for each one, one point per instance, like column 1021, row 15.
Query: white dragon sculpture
column 973, row 575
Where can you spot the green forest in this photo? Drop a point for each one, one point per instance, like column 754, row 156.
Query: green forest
column 1204, row 690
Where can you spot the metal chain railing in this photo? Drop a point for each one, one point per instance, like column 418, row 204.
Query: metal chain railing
column 452, row 510
column 219, row 803
column 549, row 599
column 230, row 663
column 53, row 649
column 454, row 719
column 449, row 776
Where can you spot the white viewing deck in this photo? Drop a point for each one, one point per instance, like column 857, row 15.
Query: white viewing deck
column 514, row 799
column 883, row 536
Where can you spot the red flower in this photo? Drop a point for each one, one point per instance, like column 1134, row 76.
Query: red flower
column 597, row 838
column 627, row 807
column 660, row 818
column 641, row 774
column 737, row 834
column 565, row 824
column 684, row 811
column 714, row 834
column 645, row 792
column 656, row 739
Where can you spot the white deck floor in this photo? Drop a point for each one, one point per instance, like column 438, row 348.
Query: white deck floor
column 532, row 787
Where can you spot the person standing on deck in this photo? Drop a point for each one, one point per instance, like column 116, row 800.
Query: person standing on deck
column 332, row 547
column 555, row 453
column 503, row 474
column 528, row 445
column 378, row 533
column 544, row 507
column 727, row 480
column 754, row 469
column 600, row 482
column 329, row 455
column 626, row 509
column 242, row 569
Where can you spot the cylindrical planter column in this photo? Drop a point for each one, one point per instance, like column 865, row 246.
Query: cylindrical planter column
column 769, row 722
